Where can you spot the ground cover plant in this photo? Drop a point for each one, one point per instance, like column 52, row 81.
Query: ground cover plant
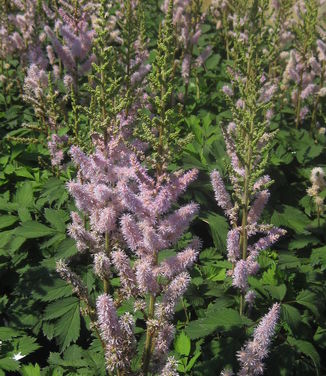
column 162, row 187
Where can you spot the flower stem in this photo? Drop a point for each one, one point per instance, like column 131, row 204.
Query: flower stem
column 149, row 336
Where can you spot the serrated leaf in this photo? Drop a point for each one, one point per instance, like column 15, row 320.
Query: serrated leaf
column 32, row 230
column 307, row 349
column 318, row 255
column 223, row 319
column 67, row 328
column 9, row 364
column 58, row 289
column 60, row 307
column 48, row 329
column 219, row 228
column 31, row 370
column 320, row 337
column 7, row 333
column 24, row 195
column 291, row 315
column 7, row 220
column 308, row 299
column 290, row 217
column 182, row 344
column 24, row 214
column 27, row 345
column 57, row 219
column 277, row 292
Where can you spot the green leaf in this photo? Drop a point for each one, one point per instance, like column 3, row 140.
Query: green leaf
column 212, row 62
column 31, row 370
column 27, row 345
column 277, row 292
column 58, row 289
column 7, row 333
column 320, row 337
column 60, row 307
column 32, row 229
column 318, row 255
column 192, row 361
column 292, row 218
column 57, row 219
column 24, row 195
column 67, row 328
column 24, row 214
column 223, row 319
column 7, row 220
column 307, row 349
column 9, row 364
column 182, row 344
column 308, row 299
column 219, row 228
column 291, row 315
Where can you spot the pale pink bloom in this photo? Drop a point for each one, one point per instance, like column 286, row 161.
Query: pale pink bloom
column 164, row 339
column 170, row 368
column 185, row 68
column 179, row 263
column 258, row 206
column 261, row 182
column 72, row 278
column 146, row 280
column 255, row 351
column 227, row 372
column 174, row 292
column 309, row 90
column 240, row 275
column 227, row 90
column 233, row 245
column 203, row 56
column 303, row 112
column 126, row 274
column 250, row 297
column 102, row 265
column 321, row 49
column 222, row 197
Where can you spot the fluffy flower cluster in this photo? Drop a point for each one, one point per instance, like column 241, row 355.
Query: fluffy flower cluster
column 255, row 351
column 127, row 208
column 318, row 182
column 18, row 34
column 245, row 262
column 149, row 228
column 305, row 69
column 55, row 146
column 269, row 234
column 188, row 21
column 75, row 50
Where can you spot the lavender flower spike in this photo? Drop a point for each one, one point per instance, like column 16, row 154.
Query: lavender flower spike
column 221, row 195
column 252, row 355
column 170, row 368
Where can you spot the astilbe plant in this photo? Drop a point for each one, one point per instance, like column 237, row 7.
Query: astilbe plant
column 305, row 72
column 188, row 17
column 318, row 183
column 128, row 217
column 248, row 142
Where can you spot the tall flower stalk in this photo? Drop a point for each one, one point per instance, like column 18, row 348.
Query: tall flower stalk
column 248, row 142
column 129, row 219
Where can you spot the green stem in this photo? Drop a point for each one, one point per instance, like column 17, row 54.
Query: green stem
column 298, row 106
column 314, row 112
column 106, row 283
column 149, row 337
